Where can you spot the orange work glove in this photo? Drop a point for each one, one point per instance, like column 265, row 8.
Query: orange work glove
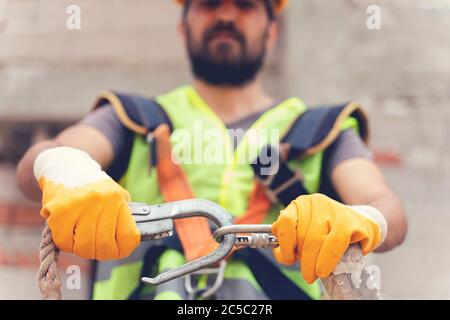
column 86, row 210
column 318, row 230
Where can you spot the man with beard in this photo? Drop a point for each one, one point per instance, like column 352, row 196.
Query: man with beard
column 227, row 41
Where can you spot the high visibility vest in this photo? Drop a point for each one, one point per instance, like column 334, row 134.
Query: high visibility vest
column 228, row 182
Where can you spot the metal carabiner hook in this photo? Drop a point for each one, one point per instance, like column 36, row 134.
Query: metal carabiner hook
column 249, row 235
column 156, row 221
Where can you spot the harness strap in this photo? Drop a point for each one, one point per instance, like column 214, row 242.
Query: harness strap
column 148, row 119
column 280, row 183
column 151, row 258
column 312, row 132
column 194, row 233
column 317, row 128
column 136, row 113
column 259, row 206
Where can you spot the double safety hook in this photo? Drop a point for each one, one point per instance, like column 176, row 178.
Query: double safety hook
column 156, row 222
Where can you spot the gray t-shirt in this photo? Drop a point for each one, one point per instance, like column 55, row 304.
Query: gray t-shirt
column 347, row 146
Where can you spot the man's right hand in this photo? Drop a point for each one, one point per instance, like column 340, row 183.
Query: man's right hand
column 86, row 210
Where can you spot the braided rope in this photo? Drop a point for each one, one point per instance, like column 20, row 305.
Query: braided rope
column 48, row 276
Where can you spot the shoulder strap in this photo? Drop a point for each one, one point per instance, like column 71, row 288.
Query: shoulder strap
column 139, row 114
column 311, row 132
column 148, row 119
column 317, row 128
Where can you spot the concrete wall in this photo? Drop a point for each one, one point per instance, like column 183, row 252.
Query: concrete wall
column 400, row 73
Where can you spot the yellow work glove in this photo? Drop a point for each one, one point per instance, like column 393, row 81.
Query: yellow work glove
column 318, row 230
column 86, row 210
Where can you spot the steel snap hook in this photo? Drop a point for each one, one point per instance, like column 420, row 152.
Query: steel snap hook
column 156, row 221
column 249, row 235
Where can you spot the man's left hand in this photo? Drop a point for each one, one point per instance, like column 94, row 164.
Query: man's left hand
column 318, row 230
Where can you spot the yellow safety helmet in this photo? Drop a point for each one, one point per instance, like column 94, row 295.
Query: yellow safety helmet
column 279, row 4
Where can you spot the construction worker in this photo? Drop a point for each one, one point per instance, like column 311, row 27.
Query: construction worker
column 332, row 193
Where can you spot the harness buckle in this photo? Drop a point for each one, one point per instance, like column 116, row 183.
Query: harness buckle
column 270, row 176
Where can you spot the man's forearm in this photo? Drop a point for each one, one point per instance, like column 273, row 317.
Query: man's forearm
column 360, row 182
column 25, row 176
column 393, row 211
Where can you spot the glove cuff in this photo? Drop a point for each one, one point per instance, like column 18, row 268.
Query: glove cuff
column 68, row 166
column 374, row 215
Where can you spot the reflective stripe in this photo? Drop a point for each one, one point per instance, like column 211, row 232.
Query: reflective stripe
column 169, row 295
column 239, row 283
column 238, row 270
column 233, row 289
column 173, row 286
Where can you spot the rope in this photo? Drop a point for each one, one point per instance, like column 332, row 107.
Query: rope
column 48, row 275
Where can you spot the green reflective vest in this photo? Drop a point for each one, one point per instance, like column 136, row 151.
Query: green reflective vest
column 228, row 182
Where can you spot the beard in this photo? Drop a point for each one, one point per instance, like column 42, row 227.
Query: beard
column 217, row 65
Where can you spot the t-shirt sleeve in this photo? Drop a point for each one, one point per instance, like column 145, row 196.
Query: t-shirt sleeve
column 347, row 146
column 106, row 121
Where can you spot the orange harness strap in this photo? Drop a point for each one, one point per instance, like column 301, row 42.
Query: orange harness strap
column 258, row 207
column 195, row 233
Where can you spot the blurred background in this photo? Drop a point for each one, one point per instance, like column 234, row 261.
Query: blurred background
column 50, row 75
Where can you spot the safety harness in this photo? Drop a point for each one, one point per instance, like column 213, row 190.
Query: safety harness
column 311, row 132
